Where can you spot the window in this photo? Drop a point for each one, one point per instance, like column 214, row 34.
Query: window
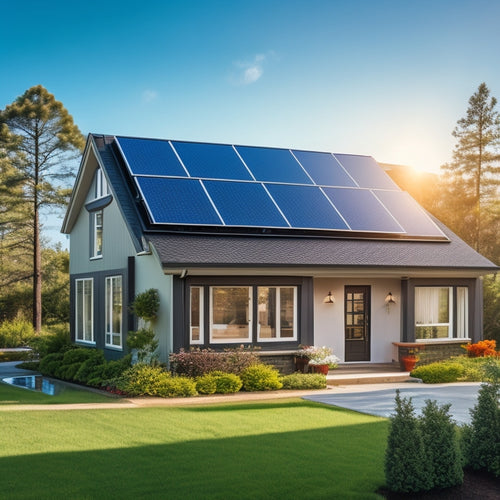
column 221, row 313
column 196, row 324
column 277, row 313
column 101, row 185
column 97, row 223
column 84, row 310
column 436, row 309
column 113, row 311
column 230, row 314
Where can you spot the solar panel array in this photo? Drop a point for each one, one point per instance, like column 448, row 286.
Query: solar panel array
column 220, row 185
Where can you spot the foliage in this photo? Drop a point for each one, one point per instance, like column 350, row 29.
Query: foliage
column 481, row 439
column 15, row 333
column 491, row 307
column 46, row 142
column 54, row 339
column 405, row 466
column 146, row 305
column 441, row 446
column 145, row 342
column 319, row 355
column 301, row 381
column 260, row 377
column 146, row 380
column 15, row 356
column 218, row 382
column 483, row 348
column 50, row 363
column 206, row 384
column 438, row 373
column 197, row 362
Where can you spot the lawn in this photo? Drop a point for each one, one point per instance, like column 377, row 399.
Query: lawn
column 265, row 450
column 17, row 396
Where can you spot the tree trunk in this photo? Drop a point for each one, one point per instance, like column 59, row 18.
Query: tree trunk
column 37, row 255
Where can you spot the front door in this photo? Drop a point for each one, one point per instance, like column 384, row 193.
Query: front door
column 357, row 323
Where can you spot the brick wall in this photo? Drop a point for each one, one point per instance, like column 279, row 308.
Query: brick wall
column 283, row 362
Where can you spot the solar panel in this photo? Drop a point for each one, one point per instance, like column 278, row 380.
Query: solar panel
column 223, row 186
column 362, row 211
column 244, row 204
column 273, row 165
column 177, row 201
column 324, row 169
column 306, row 207
column 366, row 172
column 211, row 161
column 150, row 157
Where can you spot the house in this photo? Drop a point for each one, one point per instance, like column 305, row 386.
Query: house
column 266, row 247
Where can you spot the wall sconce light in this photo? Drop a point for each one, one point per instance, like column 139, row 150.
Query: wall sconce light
column 329, row 299
column 389, row 299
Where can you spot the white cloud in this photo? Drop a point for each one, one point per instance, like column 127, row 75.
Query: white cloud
column 149, row 95
column 250, row 71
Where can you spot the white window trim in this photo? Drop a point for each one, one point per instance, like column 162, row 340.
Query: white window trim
column 201, row 318
column 101, row 184
column 249, row 319
column 108, row 314
column 82, row 340
column 95, row 255
column 279, row 338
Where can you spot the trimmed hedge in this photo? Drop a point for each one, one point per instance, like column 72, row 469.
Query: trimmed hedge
column 261, row 377
column 438, row 373
column 302, row 381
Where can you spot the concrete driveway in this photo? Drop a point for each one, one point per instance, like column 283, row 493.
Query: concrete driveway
column 380, row 402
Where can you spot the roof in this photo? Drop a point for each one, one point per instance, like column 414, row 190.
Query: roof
column 416, row 240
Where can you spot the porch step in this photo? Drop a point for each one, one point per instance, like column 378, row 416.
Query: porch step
column 367, row 374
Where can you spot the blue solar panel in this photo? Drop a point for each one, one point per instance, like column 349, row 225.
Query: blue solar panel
column 366, row 172
column 306, row 207
column 211, row 161
column 244, row 204
column 150, row 157
column 177, row 201
column 273, row 165
column 362, row 211
column 409, row 214
column 324, row 169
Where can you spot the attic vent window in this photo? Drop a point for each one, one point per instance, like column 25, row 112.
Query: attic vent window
column 101, row 185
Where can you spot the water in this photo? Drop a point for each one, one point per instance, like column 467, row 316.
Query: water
column 35, row 383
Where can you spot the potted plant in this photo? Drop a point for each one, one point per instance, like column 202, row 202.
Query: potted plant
column 302, row 360
column 320, row 359
column 409, row 360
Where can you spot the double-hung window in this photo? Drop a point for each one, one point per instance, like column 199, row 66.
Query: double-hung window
column 113, row 312
column 441, row 312
column 277, row 313
column 97, row 224
column 84, row 310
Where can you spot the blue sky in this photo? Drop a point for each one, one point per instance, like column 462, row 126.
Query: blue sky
column 384, row 78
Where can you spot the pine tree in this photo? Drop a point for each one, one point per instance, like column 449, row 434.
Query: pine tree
column 473, row 174
column 47, row 141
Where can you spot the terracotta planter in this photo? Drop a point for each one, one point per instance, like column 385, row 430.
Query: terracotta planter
column 408, row 363
column 320, row 369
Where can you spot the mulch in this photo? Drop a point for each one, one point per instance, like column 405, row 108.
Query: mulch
column 476, row 485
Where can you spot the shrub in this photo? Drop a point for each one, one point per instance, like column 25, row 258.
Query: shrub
column 481, row 439
column 146, row 304
column 300, row 381
column 441, row 448
column 78, row 355
column 227, row 383
column 50, row 363
column 177, row 387
column 206, row 384
column 439, row 373
column 483, row 348
column 261, row 377
column 16, row 333
column 197, row 362
column 143, row 340
column 57, row 339
column 87, row 368
column 405, row 466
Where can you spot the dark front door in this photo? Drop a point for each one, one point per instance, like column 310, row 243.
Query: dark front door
column 357, row 323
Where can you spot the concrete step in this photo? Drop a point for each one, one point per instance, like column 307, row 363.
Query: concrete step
column 374, row 378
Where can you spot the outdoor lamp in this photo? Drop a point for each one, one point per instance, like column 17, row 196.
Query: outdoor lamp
column 329, row 299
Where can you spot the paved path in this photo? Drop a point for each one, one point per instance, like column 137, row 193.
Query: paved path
column 380, row 401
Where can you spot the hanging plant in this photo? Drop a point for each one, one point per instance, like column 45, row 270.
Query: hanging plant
column 146, row 305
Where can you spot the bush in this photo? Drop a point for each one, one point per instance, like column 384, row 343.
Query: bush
column 206, row 384
column 300, row 381
column 405, row 466
column 227, row 383
column 87, row 368
column 198, row 362
column 439, row 373
column 16, row 333
column 50, row 363
column 441, row 448
column 483, row 348
column 144, row 342
column 261, row 377
column 57, row 339
column 146, row 304
column 481, row 439
column 146, row 380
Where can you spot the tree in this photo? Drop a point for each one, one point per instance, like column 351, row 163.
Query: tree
column 47, row 141
column 472, row 176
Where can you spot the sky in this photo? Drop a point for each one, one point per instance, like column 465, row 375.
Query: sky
column 386, row 78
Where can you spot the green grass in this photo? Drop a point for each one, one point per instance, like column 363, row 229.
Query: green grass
column 10, row 395
column 281, row 449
